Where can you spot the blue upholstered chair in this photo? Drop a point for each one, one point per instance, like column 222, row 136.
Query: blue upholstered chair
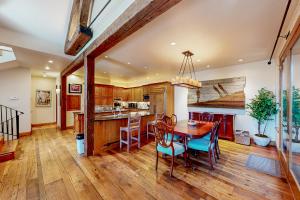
column 166, row 145
column 207, row 137
column 205, row 145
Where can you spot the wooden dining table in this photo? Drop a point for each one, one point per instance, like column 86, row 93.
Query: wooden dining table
column 201, row 129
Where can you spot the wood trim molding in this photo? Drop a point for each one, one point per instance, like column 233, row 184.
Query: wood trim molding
column 289, row 177
column 43, row 124
column 295, row 34
column 137, row 15
column 24, row 134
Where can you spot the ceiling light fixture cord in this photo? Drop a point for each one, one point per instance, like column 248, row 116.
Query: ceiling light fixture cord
column 193, row 68
column 99, row 13
column 179, row 73
column 186, row 60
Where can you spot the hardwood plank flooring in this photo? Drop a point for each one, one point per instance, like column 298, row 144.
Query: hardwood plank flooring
column 48, row 167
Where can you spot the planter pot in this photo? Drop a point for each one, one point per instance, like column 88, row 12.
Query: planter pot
column 261, row 141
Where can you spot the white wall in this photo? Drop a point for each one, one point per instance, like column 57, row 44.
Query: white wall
column 43, row 114
column 16, row 83
column 258, row 75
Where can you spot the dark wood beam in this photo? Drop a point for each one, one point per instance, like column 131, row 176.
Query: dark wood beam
column 137, row 15
column 78, row 31
column 89, row 104
column 63, row 103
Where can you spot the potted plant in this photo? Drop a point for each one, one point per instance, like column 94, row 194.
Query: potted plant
column 262, row 107
column 295, row 118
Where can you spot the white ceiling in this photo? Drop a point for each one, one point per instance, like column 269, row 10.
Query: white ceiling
column 219, row 33
column 36, row 29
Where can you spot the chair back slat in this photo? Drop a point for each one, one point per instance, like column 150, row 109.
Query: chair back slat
column 170, row 121
column 159, row 117
column 213, row 134
column 134, row 120
column 207, row 117
column 161, row 134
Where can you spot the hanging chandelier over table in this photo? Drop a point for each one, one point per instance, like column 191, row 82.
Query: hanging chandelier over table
column 187, row 76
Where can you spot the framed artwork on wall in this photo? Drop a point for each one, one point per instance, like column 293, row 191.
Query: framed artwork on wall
column 43, row 98
column 219, row 93
column 75, row 88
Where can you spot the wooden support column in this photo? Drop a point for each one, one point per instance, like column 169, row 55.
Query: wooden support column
column 89, row 104
column 63, row 103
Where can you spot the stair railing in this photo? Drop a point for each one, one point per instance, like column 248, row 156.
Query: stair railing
column 10, row 122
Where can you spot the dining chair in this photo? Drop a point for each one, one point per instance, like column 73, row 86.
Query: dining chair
column 133, row 125
column 171, row 121
column 208, row 117
column 166, row 145
column 205, row 145
column 207, row 137
column 194, row 116
column 158, row 116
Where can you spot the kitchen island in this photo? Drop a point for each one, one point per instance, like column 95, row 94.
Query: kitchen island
column 107, row 128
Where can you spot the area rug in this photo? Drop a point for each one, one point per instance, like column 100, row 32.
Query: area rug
column 264, row 165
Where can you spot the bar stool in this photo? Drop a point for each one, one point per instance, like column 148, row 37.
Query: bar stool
column 158, row 117
column 133, row 125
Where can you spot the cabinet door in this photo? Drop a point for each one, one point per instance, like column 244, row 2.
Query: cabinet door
column 145, row 90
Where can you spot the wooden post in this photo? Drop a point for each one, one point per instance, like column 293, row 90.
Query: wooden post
column 89, row 104
column 63, row 103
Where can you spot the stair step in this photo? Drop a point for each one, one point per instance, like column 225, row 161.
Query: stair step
column 7, row 152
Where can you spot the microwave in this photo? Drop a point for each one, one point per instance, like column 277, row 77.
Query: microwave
column 146, row 97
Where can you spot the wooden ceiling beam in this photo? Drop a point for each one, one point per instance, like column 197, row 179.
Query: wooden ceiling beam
column 137, row 15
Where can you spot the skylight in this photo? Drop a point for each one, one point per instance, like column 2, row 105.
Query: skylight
column 6, row 54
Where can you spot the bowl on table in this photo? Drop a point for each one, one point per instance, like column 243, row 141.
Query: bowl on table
column 192, row 123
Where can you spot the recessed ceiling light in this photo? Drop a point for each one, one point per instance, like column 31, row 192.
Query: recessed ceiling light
column 50, row 61
column 207, row 66
column 106, row 56
column 128, row 63
column 104, row 72
column 173, row 43
column 47, row 68
column 240, row 60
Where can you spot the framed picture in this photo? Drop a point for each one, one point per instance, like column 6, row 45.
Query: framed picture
column 75, row 88
column 43, row 98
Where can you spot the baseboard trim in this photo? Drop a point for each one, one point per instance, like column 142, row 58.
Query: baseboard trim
column 43, row 124
column 23, row 134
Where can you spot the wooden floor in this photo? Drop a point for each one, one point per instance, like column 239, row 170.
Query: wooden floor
column 47, row 167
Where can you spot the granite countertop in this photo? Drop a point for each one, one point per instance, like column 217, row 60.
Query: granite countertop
column 120, row 116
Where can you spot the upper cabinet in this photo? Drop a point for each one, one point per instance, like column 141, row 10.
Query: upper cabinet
column 103, row 94
column 137, row 94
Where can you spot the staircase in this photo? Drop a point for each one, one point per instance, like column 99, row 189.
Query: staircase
column 9, row 132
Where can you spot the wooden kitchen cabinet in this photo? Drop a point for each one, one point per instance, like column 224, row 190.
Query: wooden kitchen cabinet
column 117, row 93
column 103, row 94
column 137, row 94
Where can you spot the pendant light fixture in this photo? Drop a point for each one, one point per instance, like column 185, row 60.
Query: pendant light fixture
column 186, row 76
